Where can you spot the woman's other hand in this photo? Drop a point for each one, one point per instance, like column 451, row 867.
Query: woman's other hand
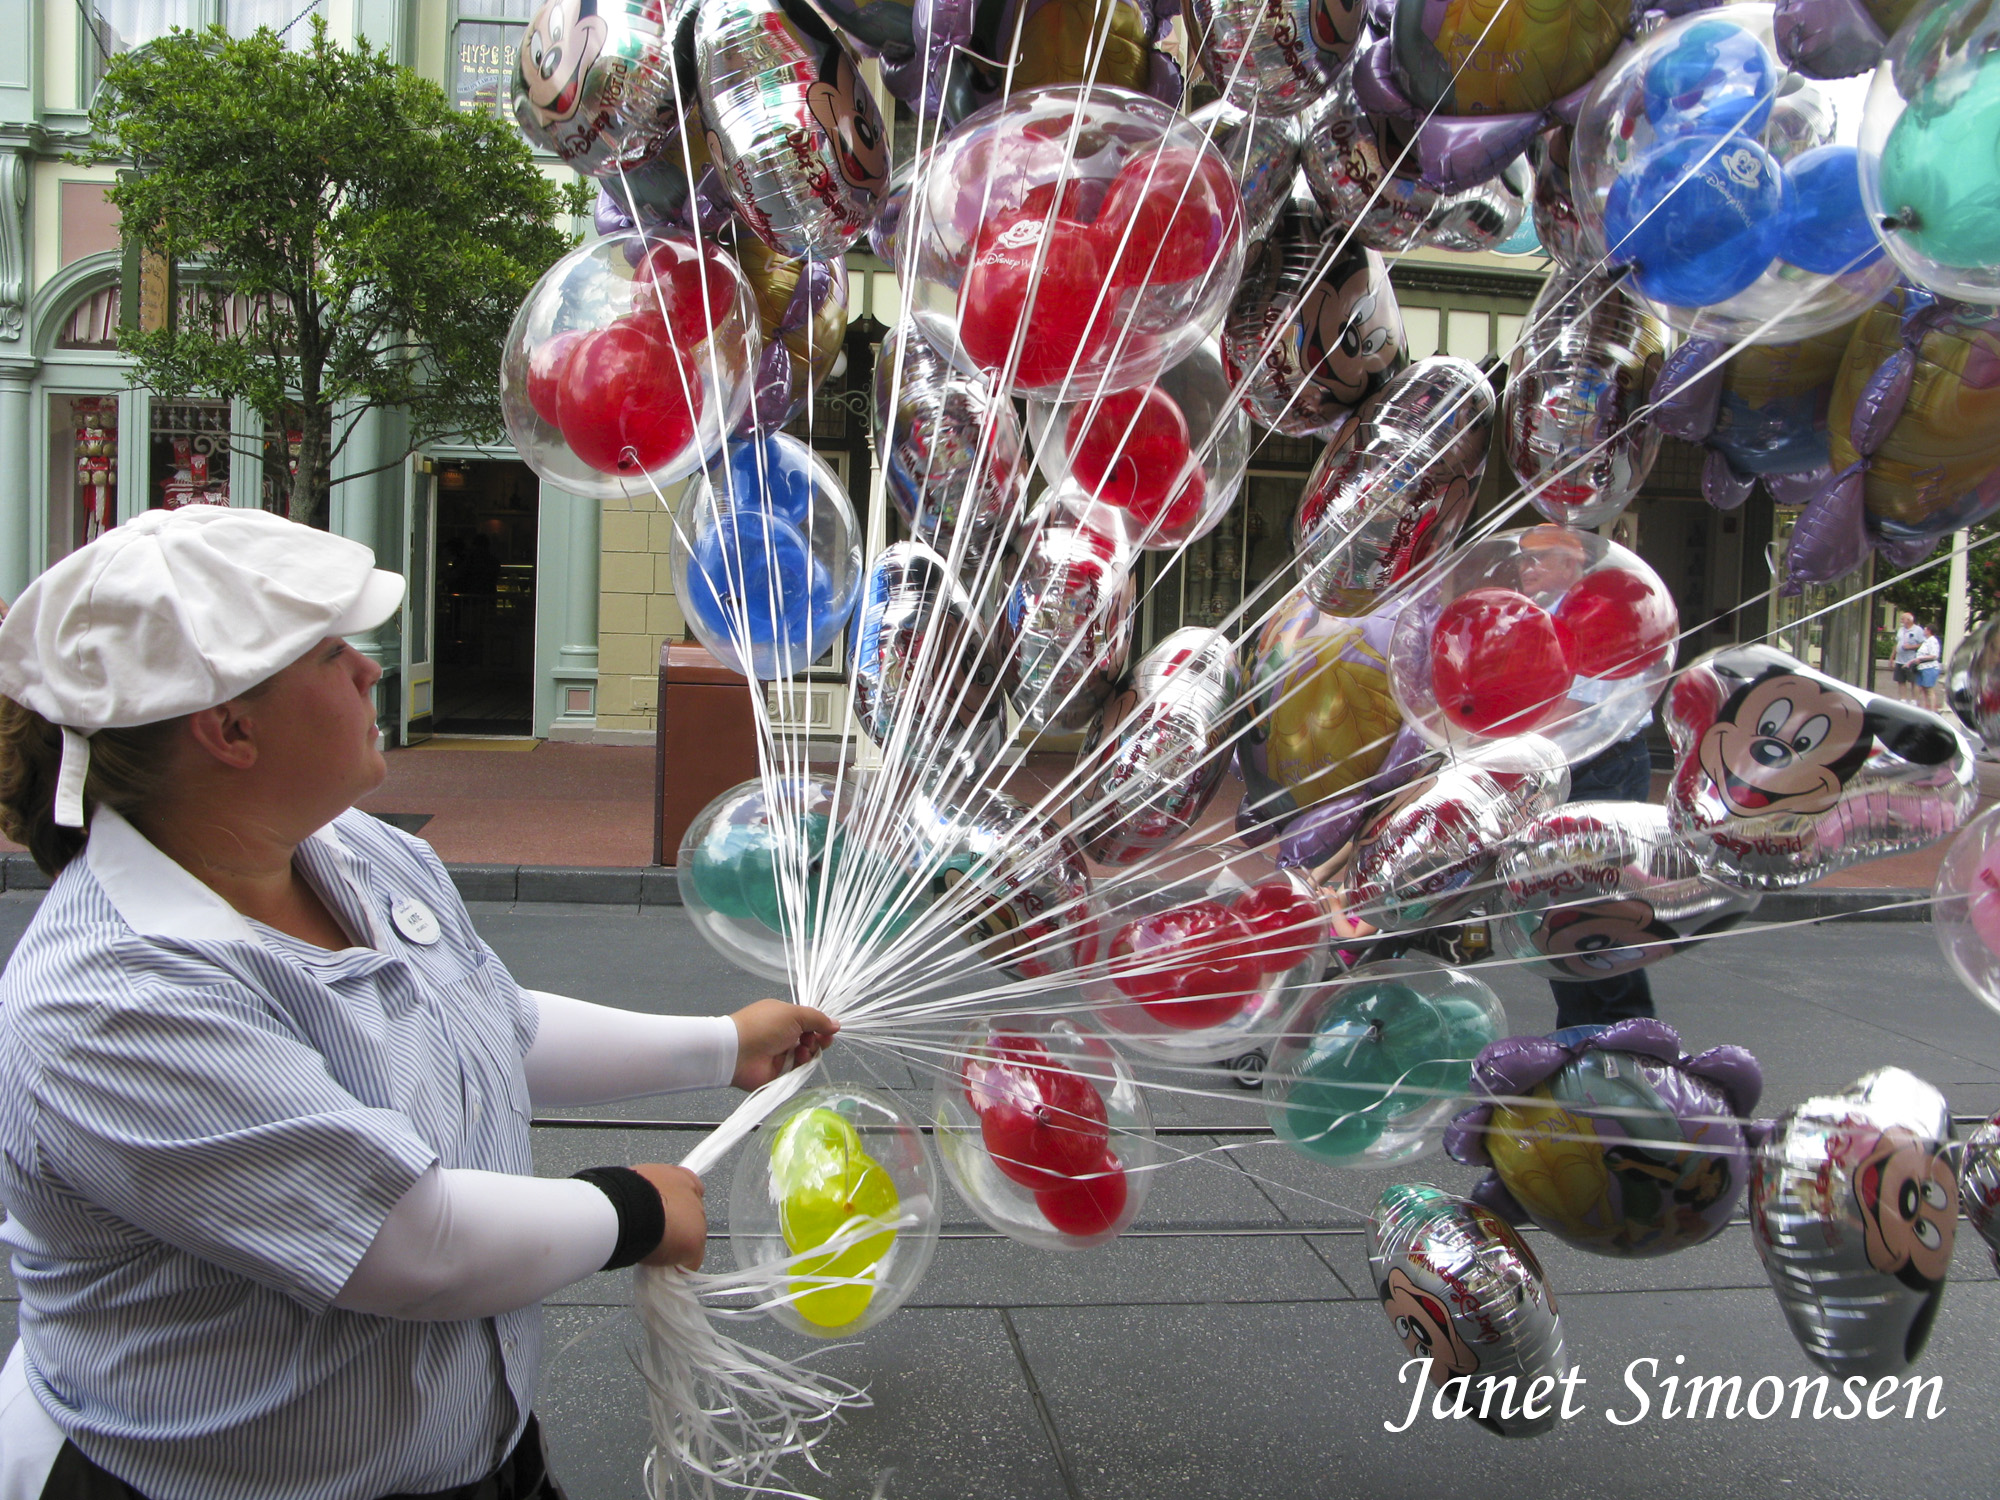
column 686, row 1239
column 773, row 1037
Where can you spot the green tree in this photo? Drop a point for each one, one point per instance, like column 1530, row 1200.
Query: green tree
column 380, row 238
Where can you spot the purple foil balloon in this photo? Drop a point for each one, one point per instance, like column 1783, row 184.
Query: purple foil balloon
column 1880, row 405
column 1794, row 490
column 1830, row 539
column 1688, row 390
column 1827, row 38
column 1721, row 485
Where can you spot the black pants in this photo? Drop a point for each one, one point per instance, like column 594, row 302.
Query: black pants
column 523, row 1476
column 1622, row 773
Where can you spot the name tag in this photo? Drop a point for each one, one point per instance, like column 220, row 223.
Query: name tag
column 415, row 921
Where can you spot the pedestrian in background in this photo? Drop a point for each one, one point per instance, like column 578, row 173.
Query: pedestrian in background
column 1903, row 663
column 1930, row 657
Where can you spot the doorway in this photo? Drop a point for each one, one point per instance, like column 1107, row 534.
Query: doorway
column 485, row 675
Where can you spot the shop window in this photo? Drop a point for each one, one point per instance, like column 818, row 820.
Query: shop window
column 188, row 454
column 484, row 38
column 1248, row 556
column 83, row 470
column 117, row 26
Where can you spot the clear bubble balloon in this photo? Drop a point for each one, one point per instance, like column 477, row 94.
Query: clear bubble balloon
column 1273, row 58
column 763, row 873
column 1073, row 240
column 1965, row 916
column 843, row 1172
column 1201, row 967
column 1720, row 180
column 1067, row 624
column 627, row 363
column 1371, row 1065
column 1044, row 1131
column 1929, row 173
column 767, row 557
column 1166, row 459
column 1562, row 633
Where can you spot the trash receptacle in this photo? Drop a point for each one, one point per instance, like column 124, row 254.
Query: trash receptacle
column 706, row 742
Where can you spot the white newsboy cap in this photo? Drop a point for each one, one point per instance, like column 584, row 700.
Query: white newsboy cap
column 176, row 611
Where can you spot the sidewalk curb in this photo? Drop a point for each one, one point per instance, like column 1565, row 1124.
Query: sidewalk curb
column 659, row 885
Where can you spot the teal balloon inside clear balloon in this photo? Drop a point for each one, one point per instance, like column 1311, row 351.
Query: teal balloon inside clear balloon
column 1372, row 1065
column 1940, row 171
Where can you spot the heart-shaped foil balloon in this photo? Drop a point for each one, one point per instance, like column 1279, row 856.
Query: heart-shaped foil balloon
column 1427, row 856
column 1463, row 1290
column 1158, row 768
column 1377, row 510
column 924, row 678
column 1785, row 775
column 1068, row 623
column 1595, row 889
column 1853, row 1209
column 1610, row 1137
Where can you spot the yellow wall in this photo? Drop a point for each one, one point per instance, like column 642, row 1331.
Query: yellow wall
column 636, row 610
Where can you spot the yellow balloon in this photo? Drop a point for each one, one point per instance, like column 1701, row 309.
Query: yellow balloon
column 1062, row 38
column 1502, row 57
column 1334, row 715
column 825, row 1182
column 1553, row 1164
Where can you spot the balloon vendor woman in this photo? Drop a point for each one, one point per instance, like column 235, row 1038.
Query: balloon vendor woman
column 264, row 1138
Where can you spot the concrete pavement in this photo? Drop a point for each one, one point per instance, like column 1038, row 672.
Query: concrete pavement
column 1230, row 1346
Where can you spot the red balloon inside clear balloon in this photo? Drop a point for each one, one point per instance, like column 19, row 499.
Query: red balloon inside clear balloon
column 1041, row 1122
column 1190, row 967
column 627, row 401
column 1613, row 623
column 1497, row 664
column 1130, row 449
column 1285, row 924
column 1060, row 316
column 1167, row 217
column 1090, row 1205
column 690, row 291
column 545, row 373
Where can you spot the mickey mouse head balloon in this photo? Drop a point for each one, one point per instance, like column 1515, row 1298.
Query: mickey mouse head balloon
column 1853, row 1209
column 594, row 83
column 1785, row 775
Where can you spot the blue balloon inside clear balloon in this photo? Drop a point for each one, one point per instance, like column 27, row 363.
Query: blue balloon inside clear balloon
column 1826, row 228
column 752, row 581
column 772, row 473
column 1697, row 219
column 1715, row 79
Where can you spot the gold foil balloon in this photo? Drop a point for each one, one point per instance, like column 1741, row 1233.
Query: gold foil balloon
column 802, row 314
column 1853, row 1210
column 1323, row 716
column 1926, row 376
column 1785, row 775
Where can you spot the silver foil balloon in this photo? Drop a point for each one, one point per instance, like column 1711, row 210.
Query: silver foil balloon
column 1979, row 1184
column 1853, row 1208
column 1463, row 1290
column 1157, row 770
column 925, row 685
column 1972, row 681
column 794, row 133
column 594, row 83
column 1363, row 171
column 1377, row 510
column 950, row 451
column 1428, row 855
column 1311, row 342
column 1784, row 775
column 1557, row 225
column 1263, row 56
column 1068, row 624
column 1596, row 889
column 1263, row 156
column 1483, row 216
column 1577, row 383
column 1013, row 887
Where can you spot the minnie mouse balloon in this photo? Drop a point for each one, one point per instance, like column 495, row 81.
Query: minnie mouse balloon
column 1067, row 624
column 594, row 83
column 1785, row 775
column 1154, row 772
column 1611, row 1138
column 1577, row 384
column 796, row 137
column 1072, row 240
column 1376, row 511
column 1853, row 1211
column 1309, row 342
column 1425, row 857
column 1466, row 1295
column 627, row 363
column 1044, row 1132
column 1598, row 889
column 925, row 684
column 1556, row 631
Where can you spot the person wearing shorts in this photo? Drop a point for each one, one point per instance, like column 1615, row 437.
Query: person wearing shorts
column 1903, row 664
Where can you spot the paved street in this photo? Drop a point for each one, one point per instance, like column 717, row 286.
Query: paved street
column 1231, row 1347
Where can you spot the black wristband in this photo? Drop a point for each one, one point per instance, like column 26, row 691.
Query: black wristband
column 642, row 1217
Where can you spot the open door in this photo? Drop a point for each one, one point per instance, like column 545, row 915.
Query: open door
column 419, row 609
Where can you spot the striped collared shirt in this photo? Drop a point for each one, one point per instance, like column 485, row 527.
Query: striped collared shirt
column 202, row 1127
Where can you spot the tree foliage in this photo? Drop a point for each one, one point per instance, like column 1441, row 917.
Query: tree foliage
column 381, row 238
